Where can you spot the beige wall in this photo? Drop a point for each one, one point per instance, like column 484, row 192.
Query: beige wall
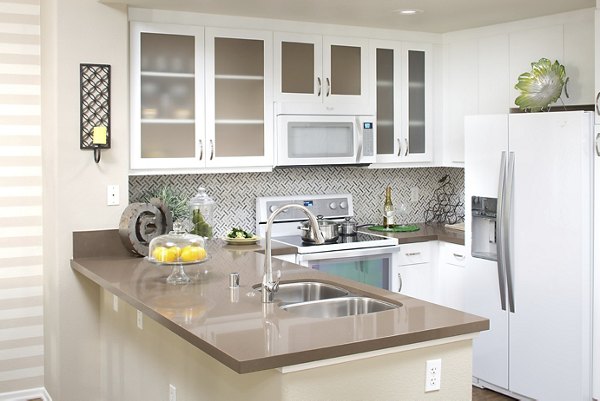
column 74, row 32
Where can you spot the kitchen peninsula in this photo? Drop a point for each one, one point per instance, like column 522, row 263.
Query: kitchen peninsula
column 213, row 342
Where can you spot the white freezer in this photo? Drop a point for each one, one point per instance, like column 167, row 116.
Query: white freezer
column 540, row 345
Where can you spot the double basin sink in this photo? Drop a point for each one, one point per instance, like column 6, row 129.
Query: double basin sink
column 323, row 300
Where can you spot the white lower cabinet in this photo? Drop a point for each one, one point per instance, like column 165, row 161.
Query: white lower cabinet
column 451, row 275
column 433, row 271
column 413, row 274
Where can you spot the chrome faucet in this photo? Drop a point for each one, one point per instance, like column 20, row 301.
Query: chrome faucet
column 270, row 285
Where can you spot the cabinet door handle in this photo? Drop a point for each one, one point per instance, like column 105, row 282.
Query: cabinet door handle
column 328, row 86
column 399, row 282
column 458, row 256
column 598, row 144
column 201, row 149
column 212, row 149
column 412, row 253
column 406, row 148
column 598, row 105
column 399, row 147
column 319, row 84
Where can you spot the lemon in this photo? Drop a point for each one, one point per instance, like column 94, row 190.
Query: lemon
column 175, row 250
column 162, row 254
column 192, row 253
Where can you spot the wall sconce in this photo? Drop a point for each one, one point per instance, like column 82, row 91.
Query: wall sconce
column 94, row 108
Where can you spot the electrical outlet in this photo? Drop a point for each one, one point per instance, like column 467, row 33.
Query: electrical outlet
column 433, row 375
column 414, row 194
column 172, row 393
column 115, row 303
column 140, row 320
column 112, row 195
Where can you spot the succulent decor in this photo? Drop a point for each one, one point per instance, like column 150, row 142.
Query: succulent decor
column 176, row 203
column 542, row 86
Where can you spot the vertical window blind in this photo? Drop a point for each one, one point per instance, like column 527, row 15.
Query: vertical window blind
column 21, row 304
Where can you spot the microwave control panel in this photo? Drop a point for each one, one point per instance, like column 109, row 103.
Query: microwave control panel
column 368, row 139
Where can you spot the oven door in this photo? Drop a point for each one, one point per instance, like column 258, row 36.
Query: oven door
column 371, row 266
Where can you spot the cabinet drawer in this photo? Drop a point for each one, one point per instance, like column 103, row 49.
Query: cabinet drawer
column 453, row 254
column 416, row 253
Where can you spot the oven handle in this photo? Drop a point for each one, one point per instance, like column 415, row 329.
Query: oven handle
column 351, row 253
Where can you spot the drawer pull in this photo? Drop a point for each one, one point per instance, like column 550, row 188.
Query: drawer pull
column 412, row 253
column 459, row 256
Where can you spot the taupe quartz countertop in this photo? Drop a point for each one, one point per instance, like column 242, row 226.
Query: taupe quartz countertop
column 236, row 328
column 427, row 232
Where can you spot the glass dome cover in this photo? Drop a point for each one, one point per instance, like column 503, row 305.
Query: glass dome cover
column 177, row 247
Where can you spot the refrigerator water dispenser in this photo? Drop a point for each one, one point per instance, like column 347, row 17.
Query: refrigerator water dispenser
column 483, row 231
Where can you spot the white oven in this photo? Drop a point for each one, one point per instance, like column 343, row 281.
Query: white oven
column 364, row 257
column 371, row 266
column 324, row 139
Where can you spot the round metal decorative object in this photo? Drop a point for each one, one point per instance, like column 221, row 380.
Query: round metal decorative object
column 141, row 222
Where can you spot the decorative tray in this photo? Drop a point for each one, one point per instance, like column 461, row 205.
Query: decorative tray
column 396, row 228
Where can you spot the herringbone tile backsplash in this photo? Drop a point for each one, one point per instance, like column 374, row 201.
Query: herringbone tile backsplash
column 235, row 194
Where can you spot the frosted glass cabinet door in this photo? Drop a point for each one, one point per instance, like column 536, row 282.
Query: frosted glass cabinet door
column 298, row 67
column 417, row 103
column 238, row 95
column 401, row 79
column 345, row 68
column 386, row 79
column 166, row 78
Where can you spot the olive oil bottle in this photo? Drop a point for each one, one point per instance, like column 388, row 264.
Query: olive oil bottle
column 388, row 209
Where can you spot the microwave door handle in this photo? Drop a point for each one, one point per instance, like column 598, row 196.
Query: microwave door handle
column 359, row 133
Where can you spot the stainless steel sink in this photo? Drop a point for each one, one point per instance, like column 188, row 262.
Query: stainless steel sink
column 338, row 307
column 307, row 291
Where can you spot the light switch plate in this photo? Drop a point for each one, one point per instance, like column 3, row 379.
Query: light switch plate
column 112, row 195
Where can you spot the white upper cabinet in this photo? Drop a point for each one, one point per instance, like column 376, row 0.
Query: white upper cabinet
column 239, row 103
column 402, row 79
column 167, row 108
column 200, row 99
column 321, row 74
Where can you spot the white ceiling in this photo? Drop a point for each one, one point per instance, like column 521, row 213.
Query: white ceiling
column 439, row 16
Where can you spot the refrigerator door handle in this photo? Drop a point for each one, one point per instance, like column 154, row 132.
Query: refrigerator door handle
column 507, row 214
column 500, row 231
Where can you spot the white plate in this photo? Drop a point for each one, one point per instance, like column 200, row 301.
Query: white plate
column 242, row 241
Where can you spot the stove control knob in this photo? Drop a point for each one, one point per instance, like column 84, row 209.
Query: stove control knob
column 333, row 205
column 275, row 207
column 344, row 205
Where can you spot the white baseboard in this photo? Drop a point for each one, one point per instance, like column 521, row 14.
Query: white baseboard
column 25, row 395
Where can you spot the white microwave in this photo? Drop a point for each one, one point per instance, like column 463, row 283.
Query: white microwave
column 324, row 139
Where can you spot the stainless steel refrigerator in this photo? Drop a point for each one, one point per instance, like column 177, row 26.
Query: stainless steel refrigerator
column 529, row 238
